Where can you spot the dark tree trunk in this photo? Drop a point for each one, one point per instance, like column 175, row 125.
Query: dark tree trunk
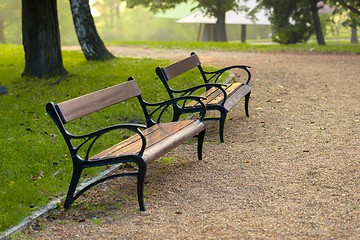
column 219, row 28
column 90, row 41
column 2, row 28
column 354, row 38
column 243, row 33
column 317, row 23
column 208, row 32
column 41, row 39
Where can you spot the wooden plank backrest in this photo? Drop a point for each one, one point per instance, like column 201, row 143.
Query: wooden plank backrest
column 92, row 102
column 182, row 66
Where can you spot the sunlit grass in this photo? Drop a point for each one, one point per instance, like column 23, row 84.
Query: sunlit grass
column 332, row 46
column 35, row 163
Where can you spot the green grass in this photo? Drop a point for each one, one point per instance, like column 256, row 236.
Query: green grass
column 35, row 164
column 332, row 46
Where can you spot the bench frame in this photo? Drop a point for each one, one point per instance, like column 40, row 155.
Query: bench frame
column 81, row 106
column 226, row 98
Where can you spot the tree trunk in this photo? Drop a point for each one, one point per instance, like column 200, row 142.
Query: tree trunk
column 243, row 33
column 41, row 39
column 2, row 28
column 317, row 23
column 90, row 42
column 207, row 32
column 354, row 37
column 220, row 28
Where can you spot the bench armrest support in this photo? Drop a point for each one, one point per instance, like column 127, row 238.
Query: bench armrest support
column 161, row 107
column 215, row 75
column 94, row 136
column 207, row 86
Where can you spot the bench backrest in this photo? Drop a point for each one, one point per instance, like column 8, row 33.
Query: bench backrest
column 181, row 66
column 92, row 102
column 81, row 106
column 171, row 71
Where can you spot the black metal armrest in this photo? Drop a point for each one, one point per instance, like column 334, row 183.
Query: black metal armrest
column 162, row 106
column 94, row 136
column 215, row 75
column 207, row 86
column 193, row 89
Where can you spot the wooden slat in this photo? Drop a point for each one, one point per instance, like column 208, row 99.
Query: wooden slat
column 230, row 90
column 161, row 133
column 207, row 97
column 160, row 139
column 165, row 130
column 215, row 96
column 182, row 66
column 173, row 140
column 152, row 136
column 83, row 105
column 127, row 145
column 235, row 98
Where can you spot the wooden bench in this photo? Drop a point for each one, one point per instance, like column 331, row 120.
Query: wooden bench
column 144, row 146
column 218, row 96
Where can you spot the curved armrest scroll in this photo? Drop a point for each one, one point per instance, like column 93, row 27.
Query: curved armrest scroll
column 162, row 106
column 94, row 136
column 207, row 86
column 217, row 73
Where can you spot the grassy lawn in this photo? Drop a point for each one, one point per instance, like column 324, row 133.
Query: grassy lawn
column 35, row 164
column 332, row 46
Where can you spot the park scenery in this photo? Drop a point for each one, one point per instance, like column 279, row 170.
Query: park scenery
column 289, row 169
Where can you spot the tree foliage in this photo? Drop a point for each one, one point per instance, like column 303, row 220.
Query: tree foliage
column 215, row 8
column 209, row 7
column 218, row 9
column 291, row 21
column 295, row 20
column 9, row 13
column 110, row 11
column 352, row 5
column 155, row 5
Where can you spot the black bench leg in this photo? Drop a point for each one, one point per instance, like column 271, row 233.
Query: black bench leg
column 222, row 123
column 247, row 98
column 176, row 115
column 200, row 137
column 74, row 182
column 140, row 185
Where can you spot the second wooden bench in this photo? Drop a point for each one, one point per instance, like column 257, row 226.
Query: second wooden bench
column 216, row 96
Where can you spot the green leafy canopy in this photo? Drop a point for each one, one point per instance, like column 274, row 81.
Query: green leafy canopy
column 210, row 7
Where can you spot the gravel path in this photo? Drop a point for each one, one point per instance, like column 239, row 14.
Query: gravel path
column 290, row 171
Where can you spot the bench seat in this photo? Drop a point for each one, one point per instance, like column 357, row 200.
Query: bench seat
column 160, row 139
column 235, row 92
